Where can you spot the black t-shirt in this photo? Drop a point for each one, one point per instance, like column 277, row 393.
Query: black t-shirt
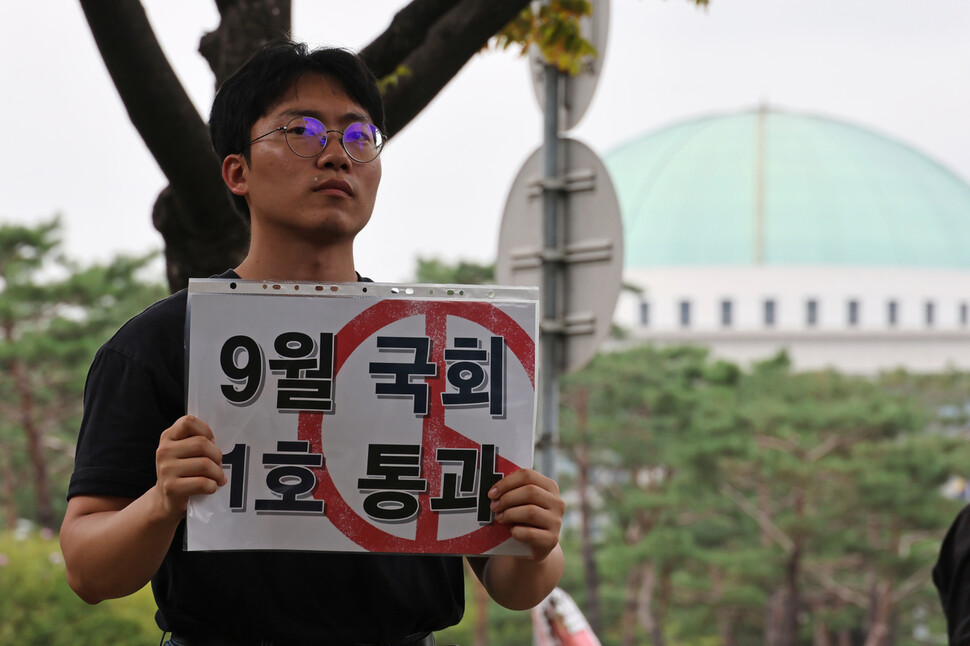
column 134, row 391
column 952, row 578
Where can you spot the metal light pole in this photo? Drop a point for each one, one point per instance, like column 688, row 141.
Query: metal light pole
column 553, row 277
column 562, row 231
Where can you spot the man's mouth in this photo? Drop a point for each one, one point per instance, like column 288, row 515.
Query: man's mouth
column 334, row 187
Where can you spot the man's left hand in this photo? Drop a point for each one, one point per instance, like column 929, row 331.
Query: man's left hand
column 530, row 504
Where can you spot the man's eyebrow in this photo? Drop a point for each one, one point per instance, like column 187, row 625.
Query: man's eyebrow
column 347, row 117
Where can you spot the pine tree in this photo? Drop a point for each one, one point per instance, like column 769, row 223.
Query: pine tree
column 53, row 316
column 760, row 506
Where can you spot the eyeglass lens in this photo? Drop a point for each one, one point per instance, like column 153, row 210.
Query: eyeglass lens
column 307, row 136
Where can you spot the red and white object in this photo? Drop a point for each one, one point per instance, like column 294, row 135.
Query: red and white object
column 558, row 621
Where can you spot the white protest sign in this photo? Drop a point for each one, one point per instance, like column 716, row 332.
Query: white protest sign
column 360, row 416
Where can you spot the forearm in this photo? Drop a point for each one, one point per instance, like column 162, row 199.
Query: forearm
column 112, row 547
column 519, row 583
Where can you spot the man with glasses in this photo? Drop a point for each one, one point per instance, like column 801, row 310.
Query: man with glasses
column 300, row 136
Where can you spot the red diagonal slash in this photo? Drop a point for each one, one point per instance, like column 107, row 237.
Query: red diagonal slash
column 434, row 434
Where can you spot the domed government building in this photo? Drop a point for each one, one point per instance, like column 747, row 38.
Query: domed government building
column 762, row 230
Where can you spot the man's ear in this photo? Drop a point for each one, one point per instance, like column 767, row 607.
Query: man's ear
column 235, row 173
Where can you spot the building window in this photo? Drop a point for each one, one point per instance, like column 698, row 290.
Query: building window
column 853, row 313
column 930, row 313
column 727, row 313
column 892, row 313
column 811, row 312
column 964, row 315
column 685, row 314
column 769, row 312
column 644, row 313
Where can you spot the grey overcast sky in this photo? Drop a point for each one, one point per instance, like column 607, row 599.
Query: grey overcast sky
column 898, row 67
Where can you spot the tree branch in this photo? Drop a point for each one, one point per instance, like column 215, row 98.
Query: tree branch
column 913, row 583
column 175, row 134
column 831, row 443
column 244, row 25
column 160, row 110
column 405, row 34
column 759, row 517
column 770, row 442
column 845, row 593
column 445, row 48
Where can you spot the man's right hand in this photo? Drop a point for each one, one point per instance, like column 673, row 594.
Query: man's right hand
column 187, row 463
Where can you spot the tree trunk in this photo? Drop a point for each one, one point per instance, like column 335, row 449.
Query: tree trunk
column 781, row 624
column 45, row 514
column 764, row 506
column 789, row 634
column 586, row 515
column 481, row 624
column 9, row 504
column 724, row 617
column 793, row 597
column 189, row 255
column 481, row 600
column 195, row 211
column 629, row 618
column 820, row 631
column 649, row 619
column 774, row 618
column 21, row 383
column 244, row 26
column 880, row 630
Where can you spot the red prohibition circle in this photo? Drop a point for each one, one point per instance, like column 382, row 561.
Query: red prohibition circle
column 435, row 433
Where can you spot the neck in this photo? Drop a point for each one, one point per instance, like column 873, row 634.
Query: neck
column 308, row 261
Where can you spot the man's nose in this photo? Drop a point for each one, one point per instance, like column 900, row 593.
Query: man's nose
column 333, row 154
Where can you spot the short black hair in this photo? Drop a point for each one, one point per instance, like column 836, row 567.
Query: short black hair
column 262, row 80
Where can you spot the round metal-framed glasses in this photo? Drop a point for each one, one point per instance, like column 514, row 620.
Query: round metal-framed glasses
column 307, row 137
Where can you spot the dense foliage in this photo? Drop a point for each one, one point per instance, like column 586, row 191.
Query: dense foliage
column 435, row 270
column 713, row 505
column 54, row 315
column 37, row 608
column 758, row 506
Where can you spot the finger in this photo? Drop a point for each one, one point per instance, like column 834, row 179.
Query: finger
column 530, row 494
column 530, row 515
column 196, row 467
column 191, row 447
column 183, row 488
column 521, row 478
column 188, row 426
column 170, row 455
column 527, row 495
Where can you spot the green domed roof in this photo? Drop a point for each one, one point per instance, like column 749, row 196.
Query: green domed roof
column 768, row 187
